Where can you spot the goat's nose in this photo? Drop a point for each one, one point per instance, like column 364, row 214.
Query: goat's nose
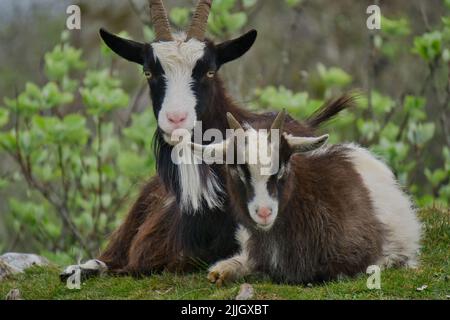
column 264, row 212
column 176, row 118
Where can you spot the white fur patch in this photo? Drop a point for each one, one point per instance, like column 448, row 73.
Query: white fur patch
column 93, row 264
column 262, row 198
column 193, row 191
column 392, row 207
column 178, row 59
column 237, row 266
column 242, row 236
column 275, row 252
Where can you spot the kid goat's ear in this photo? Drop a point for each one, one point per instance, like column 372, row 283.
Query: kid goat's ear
column 127, row 49
column 233, row 49
column 305, row 144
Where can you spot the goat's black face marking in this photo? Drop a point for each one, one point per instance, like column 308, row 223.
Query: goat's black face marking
column 156, row 82
column 202, row 85
column 240, row 175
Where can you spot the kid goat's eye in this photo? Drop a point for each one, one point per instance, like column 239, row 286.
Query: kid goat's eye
column 210, row 74
column 147, row 74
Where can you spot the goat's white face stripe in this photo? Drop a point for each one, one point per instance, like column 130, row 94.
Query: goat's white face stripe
column 261, row 198
column 178, row 59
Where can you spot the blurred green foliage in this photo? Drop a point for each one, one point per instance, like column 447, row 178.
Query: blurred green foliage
column 80, row 164
column 400, row 131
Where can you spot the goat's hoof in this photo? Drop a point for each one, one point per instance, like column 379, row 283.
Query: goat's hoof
column 220, row 275
column 84, row 271
column 217, row 278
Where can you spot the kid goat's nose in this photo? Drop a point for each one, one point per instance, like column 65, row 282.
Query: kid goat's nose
column 264, row 212
column 176, row 118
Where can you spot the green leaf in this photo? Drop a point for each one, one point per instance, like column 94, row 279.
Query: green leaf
column 293, row 3
column 101, row 100
column 381, row 104
column 70, row 130
column 447, row 3
column 28, row 212
column 333, row 76
column 421, row 133
column 282, row 98
column 428, row 46
column 132, row 164
column 249, row 3
column 149, row 34
column 436, row 177
column 53, row 97
column 142, row 128
column 446, row 156
column 179, row 16
column 390, row 131
column 4, row 116
column 415, row 107
column 235, row 21
column 63, row 60
column 368, row 129
column 395, row 27
column 220, row 6
column 85, row 221
column 3, row 183
column 100, row 78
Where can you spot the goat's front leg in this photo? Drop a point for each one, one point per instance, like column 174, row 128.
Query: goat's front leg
column 86, row 270
column 233, row 268
column 229, row 270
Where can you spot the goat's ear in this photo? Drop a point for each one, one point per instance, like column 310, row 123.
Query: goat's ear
column 233, row 49
column 127, row 49
column 305, row 144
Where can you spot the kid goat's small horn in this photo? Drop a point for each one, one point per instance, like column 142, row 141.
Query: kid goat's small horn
column 278, row 123
column 160, row 21
column 232, row 122
column 199, row 23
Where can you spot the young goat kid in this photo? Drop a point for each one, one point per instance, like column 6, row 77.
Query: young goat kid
column 320, row 214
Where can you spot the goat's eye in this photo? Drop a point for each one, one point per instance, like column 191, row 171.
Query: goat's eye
column 210, row 74
column 147, row 74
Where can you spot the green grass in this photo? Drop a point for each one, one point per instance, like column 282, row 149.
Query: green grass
column 43, row 283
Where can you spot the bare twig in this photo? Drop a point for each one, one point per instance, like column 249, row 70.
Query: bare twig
column 424, row 16
column 100, row 174
column 64, row 181
column 135, row 103
column 145, row 20
column 371, row 70
column 445, row 109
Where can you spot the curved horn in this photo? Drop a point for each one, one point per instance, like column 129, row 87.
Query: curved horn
column 199, row 22
column 160, row 21
column 278, row 123
column 232, row 122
